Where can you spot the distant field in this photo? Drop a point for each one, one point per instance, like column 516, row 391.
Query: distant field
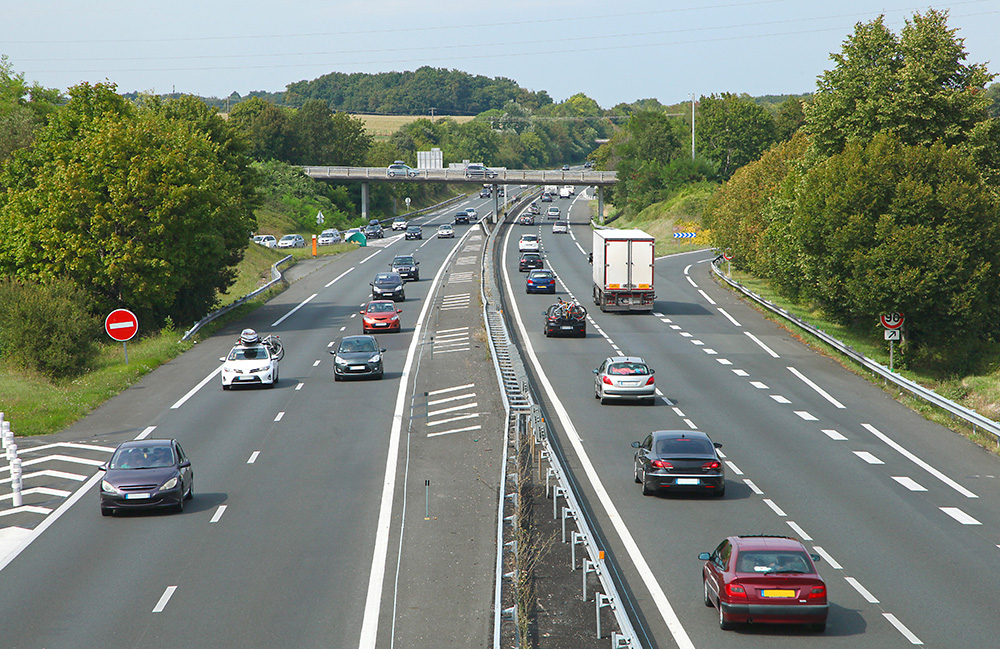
column 382, row 126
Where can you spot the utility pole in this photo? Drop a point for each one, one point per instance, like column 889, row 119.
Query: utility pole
column 432, row 113
column 692, row 126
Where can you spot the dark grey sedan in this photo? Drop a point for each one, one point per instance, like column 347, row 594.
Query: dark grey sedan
column 148, row 473
column 358, row 356
column 679, row 460
column 388, row 286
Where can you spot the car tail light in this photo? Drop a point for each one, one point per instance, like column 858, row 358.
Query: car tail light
column 662, row 464
column 736, row 590
column 817, row 592
column 714, row 464
column 606, row 380
column 650, row 381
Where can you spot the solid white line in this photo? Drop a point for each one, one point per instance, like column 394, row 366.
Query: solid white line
column 902, row 629
column 798, row 530
column 218, row 513
column 705, row 295
column 729, row 317
column 456, row 430
column 826, row 557
column 868, row 457
column 760, row 343
column 279, row 416
column 454, row 389
column 834, row 435
column 923, row 465
column 861, row 590
column 470, row 395
column 145, row 433
column 191, row 393
column 777, row 510
column 253, row 457
column 909, row 483
column 960, row 516
column 631, row 548
column 823, row 393
column 286, row 316
column 164, row 598
column 332, row 281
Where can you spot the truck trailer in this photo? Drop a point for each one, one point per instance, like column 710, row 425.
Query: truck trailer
column 623, row 270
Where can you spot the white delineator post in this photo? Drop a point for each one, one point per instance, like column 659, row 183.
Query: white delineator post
column 15, row 462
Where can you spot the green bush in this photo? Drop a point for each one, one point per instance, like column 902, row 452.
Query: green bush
column 47, row 327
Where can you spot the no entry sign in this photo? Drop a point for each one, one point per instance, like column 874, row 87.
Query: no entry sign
column 121, row 324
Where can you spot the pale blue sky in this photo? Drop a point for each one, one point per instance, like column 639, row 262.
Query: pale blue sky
column 612, row 51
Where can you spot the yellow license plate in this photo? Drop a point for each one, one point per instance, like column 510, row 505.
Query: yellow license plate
column 774, row 592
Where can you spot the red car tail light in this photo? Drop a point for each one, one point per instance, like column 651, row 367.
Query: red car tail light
column 605, row 380
column 735, row 590
column 817, row 592
column 714, row 464
column 662, row 464
column 650, row 381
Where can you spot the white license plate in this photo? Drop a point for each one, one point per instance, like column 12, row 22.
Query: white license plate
column 136, row 496
column 357, row 367
column 565, row 327
column 687, row 481
column 629, row 383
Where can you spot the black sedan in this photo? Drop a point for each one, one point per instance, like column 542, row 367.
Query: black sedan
column 406, row 266
column 374, row 232
column 388, row 286
column 414, row 232
column 358, row 356
column 529, row 261
column 679, row 460
column 148, row 473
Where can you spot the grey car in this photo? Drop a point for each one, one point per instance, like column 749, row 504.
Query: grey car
column 406, row 267
column 358, row 357
column 624, row 377
column 146, row 474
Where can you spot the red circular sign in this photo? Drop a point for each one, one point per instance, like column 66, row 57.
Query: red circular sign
column 121, row 324
column 892, row 320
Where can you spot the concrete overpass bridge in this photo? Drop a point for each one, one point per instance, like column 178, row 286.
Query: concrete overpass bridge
column 535, row 177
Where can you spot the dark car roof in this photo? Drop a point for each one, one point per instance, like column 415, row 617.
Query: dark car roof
column 751, row 542
column 146, row 442
column 403, row 259
column 530, row 255
column 668, row 442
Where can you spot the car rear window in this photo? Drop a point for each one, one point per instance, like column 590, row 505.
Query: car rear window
column 684, row 445
column 251, row 353
column 756, row 561
column 628, row 368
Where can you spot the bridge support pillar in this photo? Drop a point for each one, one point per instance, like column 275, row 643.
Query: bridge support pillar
column 364, row 202
column 496, row 204
column 600, row 204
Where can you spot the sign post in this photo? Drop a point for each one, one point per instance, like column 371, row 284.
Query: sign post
column 893, row 323
column 121, row 324
column 728, row 256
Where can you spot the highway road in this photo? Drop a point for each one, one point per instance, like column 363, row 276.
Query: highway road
column 902, row 511
column 295, row 537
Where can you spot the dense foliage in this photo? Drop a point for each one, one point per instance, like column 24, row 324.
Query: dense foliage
column 23, row 108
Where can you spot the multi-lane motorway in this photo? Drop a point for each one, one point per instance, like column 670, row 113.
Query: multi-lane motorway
column 363, row 514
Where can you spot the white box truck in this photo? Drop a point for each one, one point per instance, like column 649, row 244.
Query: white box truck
column 623, row 270
column 565, row 192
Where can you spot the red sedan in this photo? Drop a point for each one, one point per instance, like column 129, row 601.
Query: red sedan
column 380, row 315
column 764, row 579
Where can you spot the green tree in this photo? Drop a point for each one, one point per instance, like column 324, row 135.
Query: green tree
column 23, row 108
column 267, row 128
column 733, row 130
column 790, row 117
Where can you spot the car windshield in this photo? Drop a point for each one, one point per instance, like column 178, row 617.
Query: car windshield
column 413, row 228
column 402, row 261
column 358, row 345
column 444, row 227
column 627, row 368
column 381, row 307
column 288, row 237
column 248, row 353
column 387, row 278
column 142, row 457
column 757, row 561
column 684, row 446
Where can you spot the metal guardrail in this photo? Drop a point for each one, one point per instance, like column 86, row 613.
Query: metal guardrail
column 508, row 176
column 976, row 420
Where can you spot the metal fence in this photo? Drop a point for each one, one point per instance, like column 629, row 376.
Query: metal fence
column 502, row 177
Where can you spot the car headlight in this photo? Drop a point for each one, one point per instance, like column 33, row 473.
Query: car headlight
column 339, row 361
column 169, row 484
column 376, row 358
column 108, row 487
column 369, row 320
column 257, row 369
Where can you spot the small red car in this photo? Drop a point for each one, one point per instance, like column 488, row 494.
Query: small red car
column 380, row 315
column 764, row 579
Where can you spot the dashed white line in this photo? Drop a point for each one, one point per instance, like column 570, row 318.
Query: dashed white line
column 805, row 415
column 144, row 434
column 287, row 315
column 742, row 373
column 679, row 413
column 735, row 469
column 724, row 361
column 798, row 530
column 253, row 457
column 834, row 435
column 180, row 402
column 334, row 280
column 823, row 393
column 909, row 483
column 218, row 513
column 826, row 557
column 705, row 295
column 960, row 516
column 729, row 317
column 709, row 351
column 754, row 488
column 916, row 460
column 759, row 385
column 686, row 334
column 690, row 424
column 315, row 363
column 909, row 635
column 871, row 599
column 299, row 386
column 779, row 398
column 690, row 281
column 164, row 598
column 761, row 344
column 868, row 457
column 777, row 510
column 279, row 416
column 369, row 257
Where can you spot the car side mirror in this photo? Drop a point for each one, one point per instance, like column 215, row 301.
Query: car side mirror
column 185, row 464
column 362, row 312
column 416, row 263
column 704, row 556
column 595, row 370
column 652, row 371
column 634, row 444
column 382, row 350
column 399, row 310
column 371, row 283
column 717, row 444
column 333, row 352
column 815, row 557
column 222, row 358
column 103, row 467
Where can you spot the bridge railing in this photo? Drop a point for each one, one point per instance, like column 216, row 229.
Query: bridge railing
column 508, row 176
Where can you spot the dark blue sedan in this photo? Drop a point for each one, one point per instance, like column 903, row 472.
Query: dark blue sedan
column 540, row 281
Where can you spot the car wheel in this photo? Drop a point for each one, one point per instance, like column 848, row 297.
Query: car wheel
column 107, row 511
column 379, row 376
column 392, row 174
column 721, row 491
column 604, row 400
column 646, row 491
column 226, row 387
column 724, row 624
column 708, row 599
column 179, row 507
column 635, row 471
column 336, row 377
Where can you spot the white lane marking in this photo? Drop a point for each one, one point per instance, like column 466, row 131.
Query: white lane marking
column 658, row 314
column 923, row 465
column 675, row 327
column 454, row 389
column 279, row 416
column 50, row 473
column 960, row 516
column 871, row 599
column 798, row 530
column 679, row 412
column 288, row 315
column 465, row 406
column 826, row 557
column 449, row 331
column 742, row 373
column 806, row 415
column 62, row 458
column 45, row 491
column 342, row 328
column 470, row 395
column 705, row 295
column 823, row 393
column 164, row 598
column 180, row 402
column 687, row 269
column 735, row 469
column 144, row 434
column 631, row 548
column 690, row 424
column 779, row 398
column 315, row 363
column 690, row 281
column 440, row 422
column 454, row 430
column 724, row 361
column 369, row 257
column 380, row 554
column 29, row 509
column 909, row 635
column 299, row 386
column 85, row 447
column 218, row 513
column 759, row 385
column 909, row 483
column 334, row 280
column 777, row 510
column 253, row 457
column 761, row 344
column 686, row 334
column 832, row 434
column 753, row 487
column 710, row 351
column 868, row 457
column 729, row 317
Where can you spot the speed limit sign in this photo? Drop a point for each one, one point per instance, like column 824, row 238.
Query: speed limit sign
column 892, row 320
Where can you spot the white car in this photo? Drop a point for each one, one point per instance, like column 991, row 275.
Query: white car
column 399, row 224
column 553, row 213
column 266, row 240
column 445, row 231
column 249, row 365
column 560, row 227
column 400, row 168
column 292, row 241
column 328, row 237
column 528, row 243
column 473, row 214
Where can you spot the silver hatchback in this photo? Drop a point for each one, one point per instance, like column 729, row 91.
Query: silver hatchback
column 624, row 377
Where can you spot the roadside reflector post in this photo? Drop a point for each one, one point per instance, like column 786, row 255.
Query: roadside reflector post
column 314, row 245
column 427, row 500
